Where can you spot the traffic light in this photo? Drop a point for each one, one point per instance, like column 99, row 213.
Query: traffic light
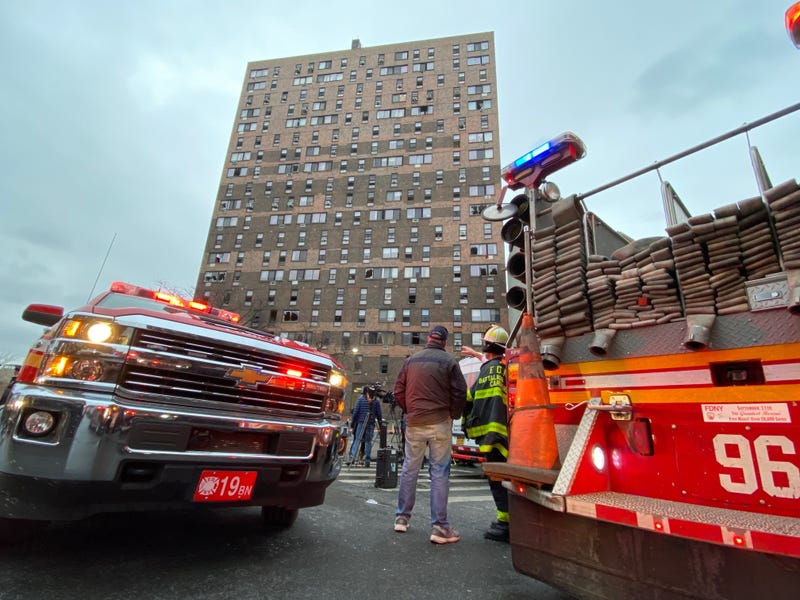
column 513, row 233
column 793, row 23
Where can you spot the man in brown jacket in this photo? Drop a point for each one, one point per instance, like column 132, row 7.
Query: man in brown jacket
column 431, row 390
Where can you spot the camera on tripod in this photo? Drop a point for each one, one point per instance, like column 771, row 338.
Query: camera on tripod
column 385, row 396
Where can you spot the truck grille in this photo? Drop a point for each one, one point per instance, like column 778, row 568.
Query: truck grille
column 192, row 371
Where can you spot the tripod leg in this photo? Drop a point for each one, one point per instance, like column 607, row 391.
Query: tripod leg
column 353, row 456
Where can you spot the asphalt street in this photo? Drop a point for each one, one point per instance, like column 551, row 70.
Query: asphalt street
column 344, row 548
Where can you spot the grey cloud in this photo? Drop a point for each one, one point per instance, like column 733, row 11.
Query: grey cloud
column 706, row 71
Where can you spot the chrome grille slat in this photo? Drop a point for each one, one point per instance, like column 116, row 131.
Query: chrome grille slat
column 206, row 376
column 229, row 354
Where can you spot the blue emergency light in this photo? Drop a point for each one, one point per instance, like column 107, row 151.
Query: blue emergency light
column 522, row 160
column 530, row 168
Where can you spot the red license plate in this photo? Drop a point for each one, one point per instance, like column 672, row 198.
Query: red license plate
column 225, row 486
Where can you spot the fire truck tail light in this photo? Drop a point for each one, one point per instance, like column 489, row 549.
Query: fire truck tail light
column 598, row 458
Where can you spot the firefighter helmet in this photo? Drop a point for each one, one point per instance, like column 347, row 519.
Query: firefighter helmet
column 496, row 335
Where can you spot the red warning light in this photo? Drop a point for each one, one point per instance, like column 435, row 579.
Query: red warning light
column 738, row 540
column 793, row 23
column 173, row 300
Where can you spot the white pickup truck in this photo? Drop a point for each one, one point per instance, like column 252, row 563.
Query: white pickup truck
column 141, row 400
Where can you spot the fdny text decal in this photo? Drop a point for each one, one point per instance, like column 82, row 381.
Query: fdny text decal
column 746, row 413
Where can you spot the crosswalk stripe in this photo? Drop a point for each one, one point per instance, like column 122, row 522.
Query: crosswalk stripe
column 457, row 499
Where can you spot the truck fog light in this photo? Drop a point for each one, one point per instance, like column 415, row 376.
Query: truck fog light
column 598, row 458
column 39, row 423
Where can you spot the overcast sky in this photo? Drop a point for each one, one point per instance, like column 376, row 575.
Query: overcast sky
column 115, row 116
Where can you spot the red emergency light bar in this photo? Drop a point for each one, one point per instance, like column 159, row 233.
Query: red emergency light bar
column 121, row 287
column 532, row 167
column 793, row 23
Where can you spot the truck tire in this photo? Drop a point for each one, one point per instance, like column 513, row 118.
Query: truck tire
column 278, row 517
column 18, row 530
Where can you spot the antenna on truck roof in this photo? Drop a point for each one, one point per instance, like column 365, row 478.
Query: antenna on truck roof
column 101, row 267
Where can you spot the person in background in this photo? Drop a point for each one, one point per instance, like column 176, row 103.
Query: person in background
column 431, row 391
column 365, row 413
column 486, row 420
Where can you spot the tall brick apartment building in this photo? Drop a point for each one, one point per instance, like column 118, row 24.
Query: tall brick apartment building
column 348, row 211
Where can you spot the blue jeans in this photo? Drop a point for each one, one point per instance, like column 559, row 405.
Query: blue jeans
column 438, row 438
column 363, row 434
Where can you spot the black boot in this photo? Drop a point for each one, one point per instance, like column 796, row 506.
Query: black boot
column 498, row 532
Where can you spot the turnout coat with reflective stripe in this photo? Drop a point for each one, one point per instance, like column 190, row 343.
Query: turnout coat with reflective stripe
column 486, row 409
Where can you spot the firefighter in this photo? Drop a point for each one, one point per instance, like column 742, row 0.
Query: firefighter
column 486, row 420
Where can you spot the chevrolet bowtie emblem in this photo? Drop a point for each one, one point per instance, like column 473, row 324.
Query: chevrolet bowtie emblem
column 249, row 376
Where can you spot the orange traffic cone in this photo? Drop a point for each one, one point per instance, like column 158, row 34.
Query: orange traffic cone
column 532, row 439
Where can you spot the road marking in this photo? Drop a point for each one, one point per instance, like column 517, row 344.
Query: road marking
column 457, row 499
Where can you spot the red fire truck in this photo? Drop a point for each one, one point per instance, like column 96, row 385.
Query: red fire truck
column 142, row 400
column 654, row 390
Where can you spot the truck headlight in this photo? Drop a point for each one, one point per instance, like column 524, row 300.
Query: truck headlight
column 85, row 349
column 99, row 332
column 337, row 379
